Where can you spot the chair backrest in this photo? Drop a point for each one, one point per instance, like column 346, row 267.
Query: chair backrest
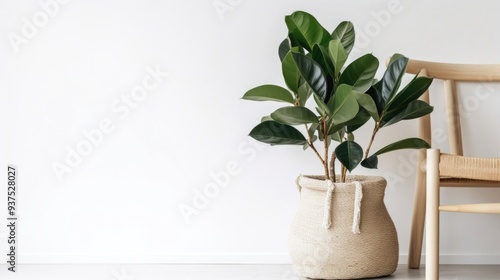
column 450, row 74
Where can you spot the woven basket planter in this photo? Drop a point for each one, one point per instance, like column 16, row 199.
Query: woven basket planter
column 343, row 230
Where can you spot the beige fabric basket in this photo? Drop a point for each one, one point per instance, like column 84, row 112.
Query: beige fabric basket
column 325, row 241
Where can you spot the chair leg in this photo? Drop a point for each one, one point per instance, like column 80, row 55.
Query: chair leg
column 432, row 213
column 418, row 220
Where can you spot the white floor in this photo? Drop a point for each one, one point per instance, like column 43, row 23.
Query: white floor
column 216, row 272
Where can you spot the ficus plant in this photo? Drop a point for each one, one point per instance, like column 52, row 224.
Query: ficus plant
column 345, row 97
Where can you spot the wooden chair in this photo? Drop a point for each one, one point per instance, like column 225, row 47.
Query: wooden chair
column 447, row 170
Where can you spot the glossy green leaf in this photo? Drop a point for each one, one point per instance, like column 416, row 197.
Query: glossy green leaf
column 395, row 57
column 376, row 95
column 338, row 55
column 306, row 29
column 370, row 162
column 320, row 55
column 284, row 48
column 334, row 129
column 275, row 133
column 295, row 43
column 312, row 73
column 412, row 91
column 416, row 109
column 366, row 101
column 360, row 73
column 269, row 93
column 358, row 121
column 345, row 33
column 290, row 71
column 361, row 118
column 349, row 153
column 345, row 106
column 409, row 143
column 294, row 115
column 392, row 78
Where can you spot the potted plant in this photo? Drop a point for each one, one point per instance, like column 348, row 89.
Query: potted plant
column 342, row 229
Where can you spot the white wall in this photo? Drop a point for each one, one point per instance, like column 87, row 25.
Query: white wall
column 121, row 202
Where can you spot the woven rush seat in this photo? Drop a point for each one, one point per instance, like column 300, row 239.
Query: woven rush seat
column 484, row 169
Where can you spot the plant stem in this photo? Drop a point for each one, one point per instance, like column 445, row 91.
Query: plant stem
column 332, row 167
column 342, row 173
column 375, row 130
column 316, row 152
column 325, row 142
column 310, row 143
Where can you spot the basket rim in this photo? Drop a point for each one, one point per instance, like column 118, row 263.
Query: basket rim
column 318, row 183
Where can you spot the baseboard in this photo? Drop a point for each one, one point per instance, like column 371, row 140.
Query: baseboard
column 218, row 259
column 158, row 259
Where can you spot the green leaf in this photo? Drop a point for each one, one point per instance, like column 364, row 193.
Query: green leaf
column 361, row 118
column 409, row 143
column 350, row 136
column 295, row 43
column 349, row 153
column 374, row 93
column 294, row 115
column 345, row 33
column 311, row 71
column 395, row 57
column 345, row 106
column 337, row 136
column 284, row 48
column 269, row 93
column 370, row 162
column 366, row 101
column 360, row 73
column 416, row 109
column 266, row 118
column 358, row 121
column 412, row 91
column 338, row 55
column 320, row 55
column 306, row 30
column 312, row 129
column 392, row 78
column 323, row 109
column 290, row 71
column 334, row 129
column 304, row 92
column 275, row 133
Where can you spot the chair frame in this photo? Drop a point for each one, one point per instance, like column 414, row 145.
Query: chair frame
column 450, row 74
